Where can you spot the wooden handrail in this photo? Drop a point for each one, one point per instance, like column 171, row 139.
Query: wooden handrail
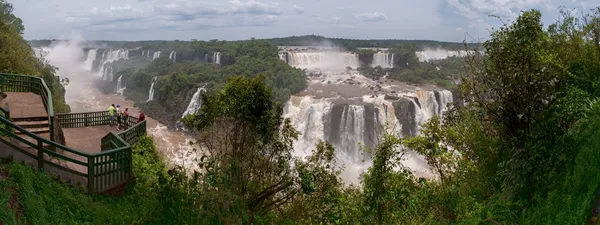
column 115, row 161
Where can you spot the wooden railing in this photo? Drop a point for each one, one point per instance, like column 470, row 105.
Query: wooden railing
column 36, row 85
column 102, row 171
column 86, row 119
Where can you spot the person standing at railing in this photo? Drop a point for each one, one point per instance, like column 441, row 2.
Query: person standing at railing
column 111, row 114
column 142, row 117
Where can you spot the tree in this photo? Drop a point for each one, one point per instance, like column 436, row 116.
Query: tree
column 248, row 153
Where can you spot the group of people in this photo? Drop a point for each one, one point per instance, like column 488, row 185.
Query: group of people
column 121, row 116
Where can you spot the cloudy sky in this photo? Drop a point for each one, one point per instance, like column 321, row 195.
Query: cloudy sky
column 446, row 20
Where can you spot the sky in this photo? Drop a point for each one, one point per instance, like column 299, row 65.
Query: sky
column 130, row 20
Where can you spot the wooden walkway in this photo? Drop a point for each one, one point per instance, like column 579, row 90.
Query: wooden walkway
column 24, row 106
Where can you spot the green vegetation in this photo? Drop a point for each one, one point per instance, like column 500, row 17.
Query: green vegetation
column 16, row 56
column 522, row 149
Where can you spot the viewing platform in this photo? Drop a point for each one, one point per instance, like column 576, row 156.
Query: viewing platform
column 80, row 148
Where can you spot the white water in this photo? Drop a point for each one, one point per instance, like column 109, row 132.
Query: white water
column 156, row 55
column 217, row 58
column 89, row 61
column 109, row 56
column 437, row 54
column 385, row 60
column 195, row 102
column 151, row 91
column 173, row 56
column 282, row 56
column 120, row 87
column 333, row 61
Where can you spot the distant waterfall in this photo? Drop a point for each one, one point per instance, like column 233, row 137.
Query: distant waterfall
column 120, row 87
column 195, row 102
column 156, row 55
column 283, row 56
column 151, row 91
column 107, row 72
column 385, row 60
column 109, row 56
column 323, row 60
column 217, row 58
column 173, row 56
column 89, row 61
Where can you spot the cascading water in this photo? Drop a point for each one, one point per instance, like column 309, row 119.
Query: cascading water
column 89, row 61
column 173, row 55
column 120, row 87
column 385, row 60
column 217, row 58
column 151, row 91
column 156, row 55
column 283, row 56
column 195, row 102
column 323, row 60
column 108, row 57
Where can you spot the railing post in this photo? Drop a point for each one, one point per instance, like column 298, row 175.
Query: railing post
column 40, row 149
column 91, row 177
column 52, row 133
column 86, row 119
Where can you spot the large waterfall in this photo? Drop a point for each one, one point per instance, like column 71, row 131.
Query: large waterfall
column 89, row 61
column 385, row 60
column 348, row 124
column 195, row 102
column 323, row 60
column 109, row 56
column 151, row 91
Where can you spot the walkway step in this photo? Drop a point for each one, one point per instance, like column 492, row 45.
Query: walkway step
column 20, row 119
column 37, row 130
column 32, row 124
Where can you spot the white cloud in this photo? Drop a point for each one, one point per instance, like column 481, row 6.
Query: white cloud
column 297, row 9
column 253, row 7
column 371, row 17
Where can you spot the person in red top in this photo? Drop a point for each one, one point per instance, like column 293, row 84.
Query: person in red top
column 142, row 117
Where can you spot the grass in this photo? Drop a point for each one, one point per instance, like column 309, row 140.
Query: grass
column 39, row 198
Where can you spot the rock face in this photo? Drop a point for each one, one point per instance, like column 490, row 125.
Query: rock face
column 405, row 112
column 168, row 109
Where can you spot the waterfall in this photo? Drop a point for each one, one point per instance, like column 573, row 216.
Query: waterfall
column 352, row 128
column 385, row 60
column 438, row 54
column 217, row 58
column 156, row 55
column 173, row 56
column 120, row 87
column 195, row 102
column 108, row 57
column 323, row 60
column 89, row 61
column 151, row 91
column 283, row 56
